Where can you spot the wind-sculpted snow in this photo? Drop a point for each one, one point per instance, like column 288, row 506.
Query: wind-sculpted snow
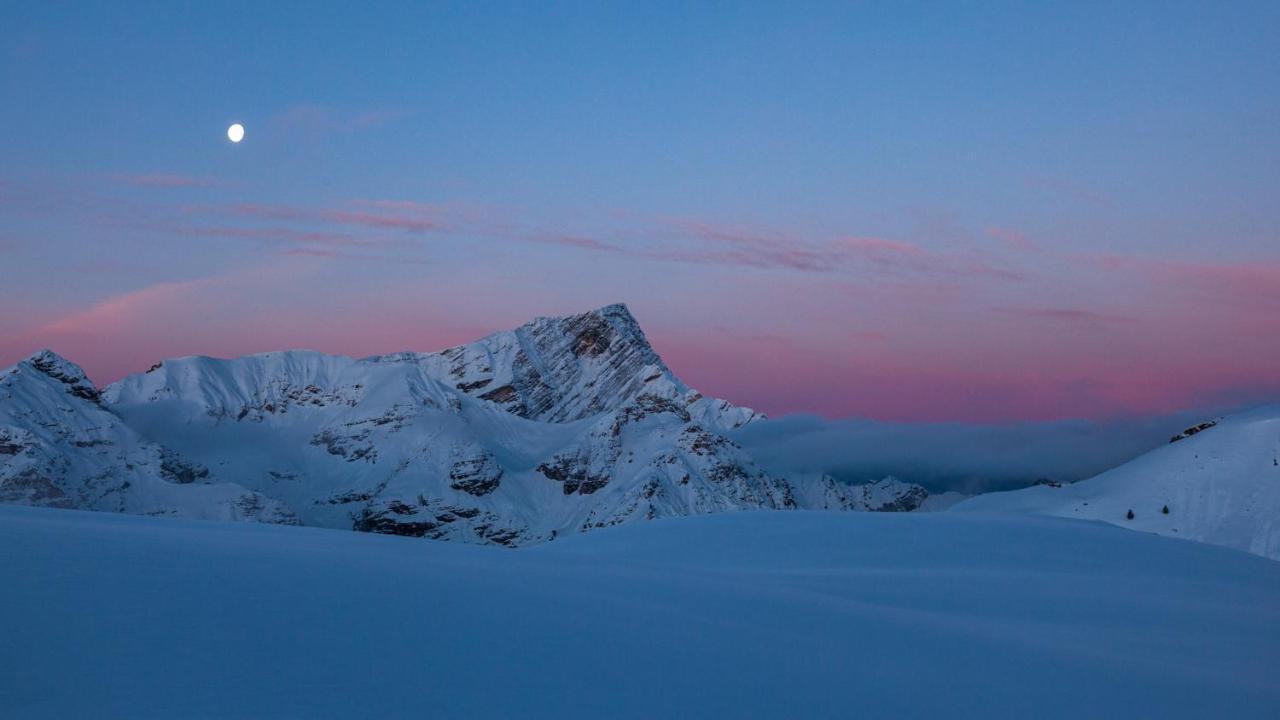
column 561, row 426
column 736, row 615
column 1217, row 482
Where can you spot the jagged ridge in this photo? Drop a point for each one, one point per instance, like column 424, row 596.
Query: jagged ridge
column 561, row 425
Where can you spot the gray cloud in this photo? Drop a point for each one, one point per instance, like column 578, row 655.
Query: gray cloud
column 953, row 456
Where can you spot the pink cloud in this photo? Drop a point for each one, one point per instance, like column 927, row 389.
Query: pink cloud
column 749, row 248
column 1012, row 237
column 903, row 257
column 381, row 215
column 1076, row 316
column 110, row 314
column 267, row 212
column 879, row 248
column 1252, row 284
column 375, row 220
column 846, row 254
column 314, row 252
column 579, row 241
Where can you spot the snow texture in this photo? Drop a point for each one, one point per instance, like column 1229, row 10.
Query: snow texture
column 756, row 614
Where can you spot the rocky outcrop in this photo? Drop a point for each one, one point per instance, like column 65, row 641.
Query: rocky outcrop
column 474, row 471
column 67, row 373
column 1193, row 430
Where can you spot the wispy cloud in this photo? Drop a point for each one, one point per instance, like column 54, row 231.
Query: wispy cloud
column 281, row 235
column 390, row 216
column 1073, row 316
column 1252, row 284
column 314, row 120
column 120, row 309
column 162, row 180
column 578, row 241
column 880, row 256
column 1013, row 238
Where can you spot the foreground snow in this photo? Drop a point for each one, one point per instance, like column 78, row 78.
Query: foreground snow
column 1219, row 481
column 744, row 614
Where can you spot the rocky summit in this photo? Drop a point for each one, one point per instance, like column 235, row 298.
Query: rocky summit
column 562, row 425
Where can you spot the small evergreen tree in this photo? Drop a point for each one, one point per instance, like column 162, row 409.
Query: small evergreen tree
column 1165, row 509
column 1129, row 515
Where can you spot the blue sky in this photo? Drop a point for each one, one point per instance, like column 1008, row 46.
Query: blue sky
column 1049, row 210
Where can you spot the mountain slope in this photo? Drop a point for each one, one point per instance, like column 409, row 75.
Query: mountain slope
column 561, row 369
column 562, row 425
column 1220, row 482
column 60, row 448
column 760, row 614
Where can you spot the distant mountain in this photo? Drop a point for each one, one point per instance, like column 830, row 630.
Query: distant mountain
column 1219, row 482
column 562, row 425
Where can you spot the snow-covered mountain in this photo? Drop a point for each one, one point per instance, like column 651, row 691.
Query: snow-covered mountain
column 59, row 447
column 562, row 425
column 1217, row 482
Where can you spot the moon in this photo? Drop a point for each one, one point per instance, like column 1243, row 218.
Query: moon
column 235, row 133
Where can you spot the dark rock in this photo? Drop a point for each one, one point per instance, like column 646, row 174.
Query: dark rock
column 594, row 338
column 574, row 472
column 1193, row 430
column 31, row 488
column 502, row 395
column 346, row 446
column 176, row 470
column 375, row 522
column 67, row 374
column 475, row 472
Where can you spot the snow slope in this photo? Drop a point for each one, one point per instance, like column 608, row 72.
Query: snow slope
column 562, row 425
column 60, row 448
column 1221, row 484
column 734, row 615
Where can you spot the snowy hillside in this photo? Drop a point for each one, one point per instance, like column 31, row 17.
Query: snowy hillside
column 1220, row 483
column 735, row 615
column 60, row 448
column 560, row 426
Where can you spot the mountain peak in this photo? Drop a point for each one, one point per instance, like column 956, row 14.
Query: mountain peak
column 559, row 369
column 64, row 371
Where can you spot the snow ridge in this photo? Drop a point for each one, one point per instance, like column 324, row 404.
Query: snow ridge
column 60, row 448
column 1217, row 482
column 562, row 425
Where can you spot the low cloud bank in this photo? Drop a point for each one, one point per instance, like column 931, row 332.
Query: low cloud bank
column 954, row 456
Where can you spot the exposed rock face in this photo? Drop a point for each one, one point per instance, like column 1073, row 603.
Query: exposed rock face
column 67, row 373
column 474, row 471
column 561, row 425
